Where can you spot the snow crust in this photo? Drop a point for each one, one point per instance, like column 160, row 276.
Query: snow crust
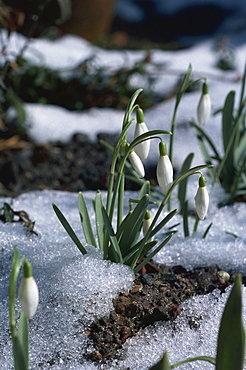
column 76, row 289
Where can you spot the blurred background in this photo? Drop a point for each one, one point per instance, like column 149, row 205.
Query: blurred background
column 118, row 25
column 170, row 24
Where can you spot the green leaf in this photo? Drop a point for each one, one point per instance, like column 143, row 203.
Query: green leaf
column 228, row 139
column 133, row 224
column 240, row 152
column 127, row 260
column 69, row 229
column 227, row 167
column 227, row 118
column 145, row 189
column 209, row 359
column 184, row 84
column 19, row 356
column 231, row 339
column 147, row 136
column 152, row 254
column 163, row 223
column 242, row 98
column 116, row 252
column 23, row 337
column 202, row 136
column 163, row 364
column 183, row 184
column 185, row 219
column 99, row 219
column 85, row 221
column 207, row 230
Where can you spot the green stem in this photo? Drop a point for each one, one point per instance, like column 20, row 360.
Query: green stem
column 121, row 200
column 209, row 359
column 196, row 224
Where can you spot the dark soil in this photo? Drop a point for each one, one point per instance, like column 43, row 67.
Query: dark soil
column 77, row 165
column 156, row 295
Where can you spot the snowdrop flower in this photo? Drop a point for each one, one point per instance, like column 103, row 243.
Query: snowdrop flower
column 204, row 105
column 142, row 149
column 146, row 224
column 136, row 163
column 164, row 171
column 202, row 198
column 28, row 292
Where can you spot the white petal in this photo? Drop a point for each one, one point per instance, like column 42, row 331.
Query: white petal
column 28, row 296
column 146, row 225
column 137, row 163
column 142, row 149
column 202, row 202
column 164, row 173
column 203, row 109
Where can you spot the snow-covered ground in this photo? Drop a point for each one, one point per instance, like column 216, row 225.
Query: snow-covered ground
column 75, row 289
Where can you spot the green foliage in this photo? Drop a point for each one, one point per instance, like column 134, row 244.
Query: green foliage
column 230, row 168
column 117, row 236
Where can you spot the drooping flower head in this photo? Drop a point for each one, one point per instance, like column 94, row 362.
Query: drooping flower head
column 202, row 198
column 142, row 149
column 164, row 171
column 136, row 163
column 204, row 105
column 28, row 292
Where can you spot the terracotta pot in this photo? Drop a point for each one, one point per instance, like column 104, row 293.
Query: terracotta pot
column 90, row 18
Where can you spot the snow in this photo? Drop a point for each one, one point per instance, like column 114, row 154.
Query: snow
column 76, row 289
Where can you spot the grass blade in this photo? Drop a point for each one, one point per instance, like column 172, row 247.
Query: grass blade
column 231, row 339
column 115, row 248
column 69, row 229
column 99, row 219
column 23, row 337
column 207, row 230
column 183, row 184
column 163, row 223
column 85, row 221
column 152, row 254
column 133, row 224
column 163, row 364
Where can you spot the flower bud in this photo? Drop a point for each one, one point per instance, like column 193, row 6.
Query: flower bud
column 202, row 198
column 223, row 277
column 204, row 105
column 28, row 292
column 136, row 163
column 164, row 171
column 142, row 149
column 146, row 224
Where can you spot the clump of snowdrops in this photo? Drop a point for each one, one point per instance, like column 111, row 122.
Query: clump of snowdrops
column 230, row 167
column 28, row 297
column 120, row 236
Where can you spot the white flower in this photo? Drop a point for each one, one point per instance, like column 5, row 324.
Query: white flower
column 142, row 149
column 202, row 199
column 28, row 293
column 136, row 163
column 164, row 171
column 204, row 106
